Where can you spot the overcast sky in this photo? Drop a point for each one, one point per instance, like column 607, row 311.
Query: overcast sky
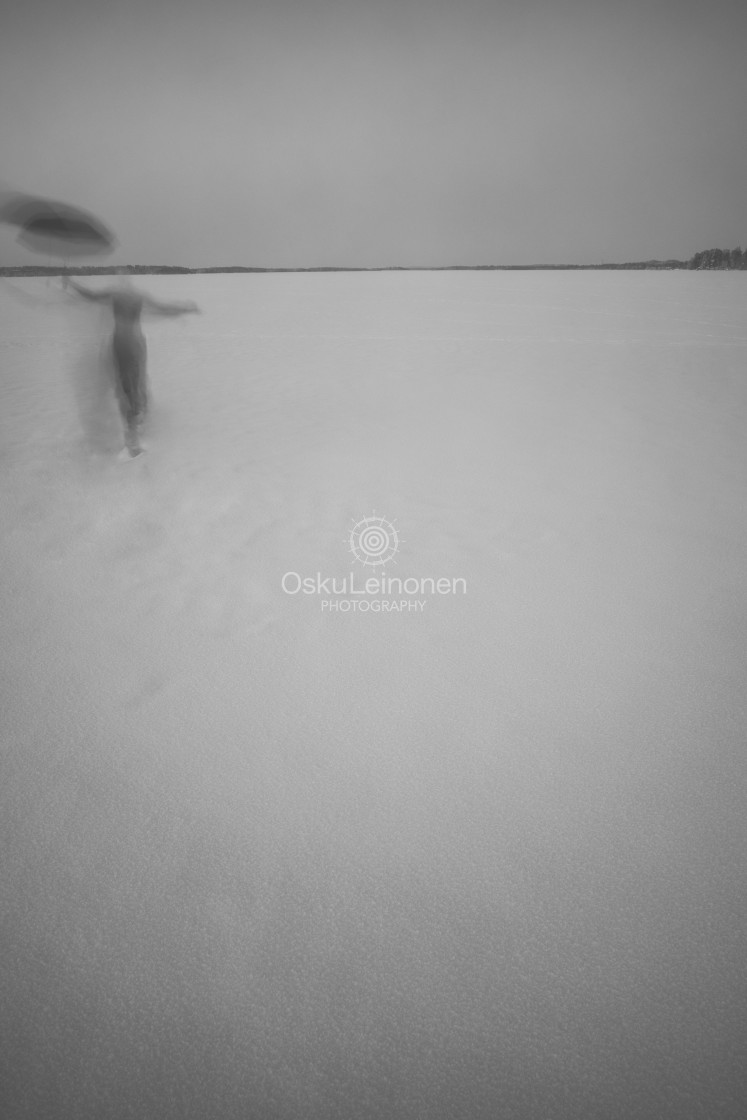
column 381, row 132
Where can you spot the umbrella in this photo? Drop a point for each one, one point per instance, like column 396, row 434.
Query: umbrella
column 57, row 229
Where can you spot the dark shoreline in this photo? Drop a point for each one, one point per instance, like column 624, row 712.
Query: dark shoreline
column 712, row 259
column 106, row 270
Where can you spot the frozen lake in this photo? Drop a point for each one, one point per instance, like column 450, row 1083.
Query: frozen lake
column 484, row 858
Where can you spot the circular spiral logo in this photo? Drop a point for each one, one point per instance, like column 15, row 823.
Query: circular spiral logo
column 373, row 540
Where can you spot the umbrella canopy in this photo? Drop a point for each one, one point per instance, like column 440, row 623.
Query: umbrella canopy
column 56, row 229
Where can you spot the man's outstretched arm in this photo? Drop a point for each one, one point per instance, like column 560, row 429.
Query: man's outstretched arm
column 155, row 308
column 85, row 292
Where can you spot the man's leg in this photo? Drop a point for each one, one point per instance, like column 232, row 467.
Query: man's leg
column 130, row 412
column 132, row 439
column 141, row 401
column 129, row 363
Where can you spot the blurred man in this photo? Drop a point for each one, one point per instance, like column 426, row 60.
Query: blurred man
column 128, row 348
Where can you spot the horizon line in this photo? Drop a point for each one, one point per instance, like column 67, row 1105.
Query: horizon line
column 105, row 268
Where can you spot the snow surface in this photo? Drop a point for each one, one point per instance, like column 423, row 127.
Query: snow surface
column 482, row 860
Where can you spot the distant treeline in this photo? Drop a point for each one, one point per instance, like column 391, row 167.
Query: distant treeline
column 710, row 258
column 719, row 258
